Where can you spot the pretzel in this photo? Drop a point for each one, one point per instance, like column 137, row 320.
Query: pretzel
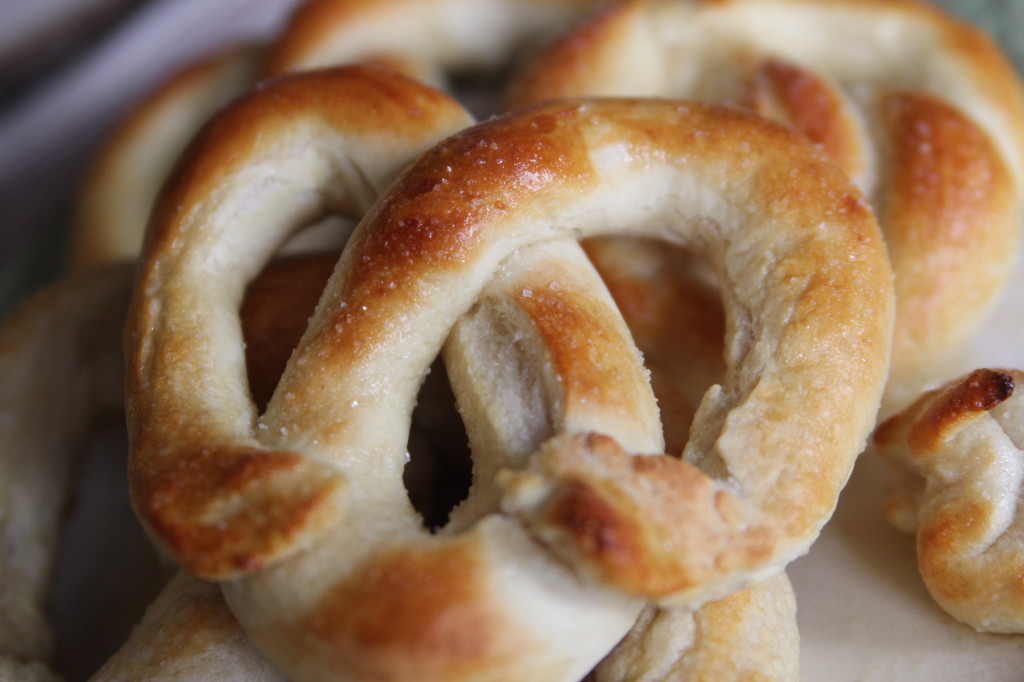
column 958, row 449
column 923, row 111
column 59, row 355
column 423, row 39
column 388, row 269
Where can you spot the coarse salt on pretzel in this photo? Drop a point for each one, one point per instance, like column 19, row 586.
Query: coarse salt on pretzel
column 959, row 449
column 923, row 111
column 424, row 39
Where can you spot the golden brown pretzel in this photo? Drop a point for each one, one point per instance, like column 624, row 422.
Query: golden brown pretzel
column 390, row 287
column 958, row 449
column 923, row 111
column 425, row 39
column 498, row 547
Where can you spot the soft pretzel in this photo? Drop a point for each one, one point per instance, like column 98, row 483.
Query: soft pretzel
column 60, row 359
column 923, row 111
column 408, row 275
column 959, row 450
column 426, row 40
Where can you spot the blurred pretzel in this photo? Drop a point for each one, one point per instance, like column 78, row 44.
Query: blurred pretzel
column 922, row 111
column 60, row 359
column 424, row 39
column 958, row 449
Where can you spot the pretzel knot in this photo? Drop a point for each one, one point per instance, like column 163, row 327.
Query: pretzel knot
column 922, row 111
column 305, row 509
column 959, row 451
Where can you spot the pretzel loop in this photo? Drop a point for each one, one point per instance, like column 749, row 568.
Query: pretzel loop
column 259, row 175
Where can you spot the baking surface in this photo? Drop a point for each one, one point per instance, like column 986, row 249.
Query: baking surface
column 864, row 614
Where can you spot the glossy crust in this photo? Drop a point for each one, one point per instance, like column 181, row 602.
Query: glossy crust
column 958, row 449
column 923, row 111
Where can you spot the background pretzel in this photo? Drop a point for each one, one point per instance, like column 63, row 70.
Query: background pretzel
column 959, row 451
column 59, row 356
column 427, row 40
column 924, row 114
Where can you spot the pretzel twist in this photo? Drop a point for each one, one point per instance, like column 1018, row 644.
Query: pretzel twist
column 924, row 112
column 959, row 451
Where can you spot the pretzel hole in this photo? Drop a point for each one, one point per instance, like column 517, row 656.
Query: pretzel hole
column 440, row 470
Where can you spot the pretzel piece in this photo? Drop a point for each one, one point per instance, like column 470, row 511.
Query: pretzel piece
column 959, row 451
column 188, row 633
column 750, row 634
column 926, row 113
